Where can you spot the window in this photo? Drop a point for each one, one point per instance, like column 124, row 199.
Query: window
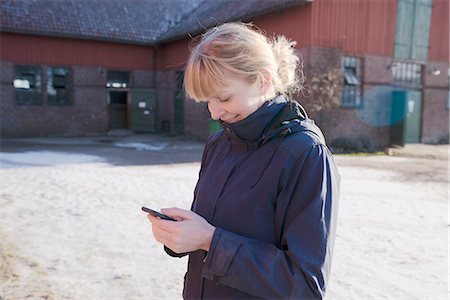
column 28, row 85
column 407, row 73
column 351, row 89
column 59, row 86
column 118, row 79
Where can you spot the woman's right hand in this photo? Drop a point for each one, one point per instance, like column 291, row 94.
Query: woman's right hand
column 190, row 233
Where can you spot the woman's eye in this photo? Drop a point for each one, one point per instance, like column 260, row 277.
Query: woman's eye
column 224, row 100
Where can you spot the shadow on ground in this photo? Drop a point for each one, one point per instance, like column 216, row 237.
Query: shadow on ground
column 130, row 150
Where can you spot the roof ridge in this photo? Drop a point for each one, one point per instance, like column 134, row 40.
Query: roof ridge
column 175, row 24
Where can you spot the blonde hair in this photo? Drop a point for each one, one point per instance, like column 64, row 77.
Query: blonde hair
column 239, row 50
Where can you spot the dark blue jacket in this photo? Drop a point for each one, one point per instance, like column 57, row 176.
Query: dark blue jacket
column 270, row 186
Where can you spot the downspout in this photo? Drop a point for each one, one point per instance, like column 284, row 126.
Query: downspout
column 155, row 83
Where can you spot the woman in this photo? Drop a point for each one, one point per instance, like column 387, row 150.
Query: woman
column 263, row 218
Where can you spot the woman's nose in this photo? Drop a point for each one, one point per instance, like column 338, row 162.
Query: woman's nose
column 215, row 110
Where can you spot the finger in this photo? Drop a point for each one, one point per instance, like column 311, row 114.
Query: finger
column 158, row 221
column 152, row 218
column 159, row 224
column 178, row 213
column 165, row 238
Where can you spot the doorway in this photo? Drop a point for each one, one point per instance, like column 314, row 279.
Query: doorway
column 118, row 109
column 406, row 117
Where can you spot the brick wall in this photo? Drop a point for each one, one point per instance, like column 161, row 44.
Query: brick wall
column 142, row 79
column 435, row 116
column 317, row 61
column 87, row 115
column 195, row 123
column 363, row 123
column 166, row 83
column 377, row 70
column 435, row 112
column 371, row 121
column 90, row 110
column 196, row 119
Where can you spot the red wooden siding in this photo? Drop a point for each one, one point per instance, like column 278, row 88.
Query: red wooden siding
column 173, row 56
column 439, row 31
column 28, row 49
column 356, row 27
column 294, row 23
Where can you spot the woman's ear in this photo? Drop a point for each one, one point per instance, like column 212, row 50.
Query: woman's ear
column 265, row 81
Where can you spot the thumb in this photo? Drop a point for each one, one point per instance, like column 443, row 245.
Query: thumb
column 178, row 213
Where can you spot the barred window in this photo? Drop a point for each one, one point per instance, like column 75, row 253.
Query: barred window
column 351, row 86
column 59, row 86
column 407, row 73
column 28, row 85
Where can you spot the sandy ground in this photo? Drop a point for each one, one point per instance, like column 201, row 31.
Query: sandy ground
column 71, row 225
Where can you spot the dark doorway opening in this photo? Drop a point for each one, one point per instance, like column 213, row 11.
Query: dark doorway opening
column 118, row 110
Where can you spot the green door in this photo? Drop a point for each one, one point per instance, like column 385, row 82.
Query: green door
column 413, row 117
column 143, row 110
column 178, row 108
column 178, row 124
column 406, row 111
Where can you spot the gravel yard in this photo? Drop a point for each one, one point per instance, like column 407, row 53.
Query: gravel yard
column 71, row 225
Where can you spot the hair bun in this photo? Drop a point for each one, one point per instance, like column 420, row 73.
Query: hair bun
column 289, row 66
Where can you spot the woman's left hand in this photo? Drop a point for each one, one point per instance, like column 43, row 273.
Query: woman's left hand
column 189, row 233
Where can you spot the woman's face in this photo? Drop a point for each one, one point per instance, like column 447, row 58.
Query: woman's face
column 236, row 101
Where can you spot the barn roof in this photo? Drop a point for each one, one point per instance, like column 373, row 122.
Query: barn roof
column 130, row 21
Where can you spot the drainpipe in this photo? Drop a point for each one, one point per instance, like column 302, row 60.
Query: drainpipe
column 155, row 83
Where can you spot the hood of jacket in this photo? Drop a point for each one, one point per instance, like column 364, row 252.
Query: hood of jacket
column 276, row 118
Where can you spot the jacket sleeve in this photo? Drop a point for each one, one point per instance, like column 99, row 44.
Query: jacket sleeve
column 306, row 218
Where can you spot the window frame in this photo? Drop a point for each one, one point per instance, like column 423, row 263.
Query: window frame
column 34, row 90
column 407, row 73
column 118, row 82
column 67, row 94
column 351, row 93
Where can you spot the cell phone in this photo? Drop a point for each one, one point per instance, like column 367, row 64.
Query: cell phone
column 157, row 214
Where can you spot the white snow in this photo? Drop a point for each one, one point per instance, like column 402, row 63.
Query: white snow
column 73, row 228
column 143, row 146
column 44, row 158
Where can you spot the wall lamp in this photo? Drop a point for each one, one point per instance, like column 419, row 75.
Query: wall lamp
column 435, row 72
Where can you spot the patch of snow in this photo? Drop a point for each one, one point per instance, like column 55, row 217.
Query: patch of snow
column 44, row 158
column 142, row 146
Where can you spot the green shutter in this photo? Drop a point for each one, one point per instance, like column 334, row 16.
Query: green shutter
column 404, row 34
column 419, row 50
column 413, row 29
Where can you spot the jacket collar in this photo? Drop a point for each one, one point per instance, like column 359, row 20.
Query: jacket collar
column 249, row 132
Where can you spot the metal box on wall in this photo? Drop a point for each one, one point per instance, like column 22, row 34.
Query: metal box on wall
column 143, row 110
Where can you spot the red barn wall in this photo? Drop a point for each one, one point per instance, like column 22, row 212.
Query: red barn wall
column 29, row 49
column 439, row 32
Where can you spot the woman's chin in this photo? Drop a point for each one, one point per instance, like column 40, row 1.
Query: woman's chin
column 232, row 119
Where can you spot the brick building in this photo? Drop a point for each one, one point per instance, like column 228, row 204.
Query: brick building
column 86, row 67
